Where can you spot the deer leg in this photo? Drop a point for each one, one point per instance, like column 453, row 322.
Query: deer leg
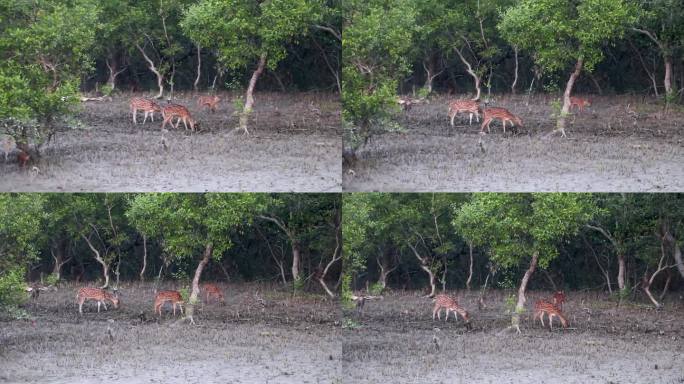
column 104, row 303
column 145, row 119
column 98, row 307
column 80, row 306
column 452, row 115
column 471, row 119
column 134, row 113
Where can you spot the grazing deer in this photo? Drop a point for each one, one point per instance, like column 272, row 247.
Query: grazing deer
column 209, row 102
column 491, row 114
column 172, row 296
column 8, row 145
column 558, row 299
column 212, row 290
column 450, row 305
column 145, row 105
column 23, row 158
column 542, row 307
column 98, row 294
column 579, row 102
column 175, row 110
column 469, row 106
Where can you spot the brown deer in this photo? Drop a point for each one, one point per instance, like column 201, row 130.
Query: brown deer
column 542, row 307
column 467, row 106
column 23, row 158
column 558, row 299
column 491, row 114
column 176, row 110
column 209, row 102
column 579, row 102
column 145, row 105
column 213, row 291
column 98, row 294
column 443, row 301
column 174, row 297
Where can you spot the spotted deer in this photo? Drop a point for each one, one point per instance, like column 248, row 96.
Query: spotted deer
column 443, row 301
column 98, row 294
column 169, row 111
column 213, row 291
column 542, row 307
column 209, row 102
column 491, row 114
column 579, row 102
column 467, row 106
column 174, row 297
column 145, row 105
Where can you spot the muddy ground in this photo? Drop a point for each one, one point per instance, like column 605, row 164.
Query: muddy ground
column 618, row 144
column 294, row 145
column 268, row 338
column 395, row 341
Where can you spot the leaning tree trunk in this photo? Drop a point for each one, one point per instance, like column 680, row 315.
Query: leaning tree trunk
column 296, row 260
column 520, row 306
column 515, row 72
column 190, row 307
column 622, row 271
column 425, row 266
column 667, row 80
column 98, row 257
column 472, row 73
column 144, row 266
column 565, row 111
column 114, row 71
column 153, row 68
column 337, row 256
column 57, row 251
column 195, row 85
column 249, row 96
column 470, row 268
column 677, row 252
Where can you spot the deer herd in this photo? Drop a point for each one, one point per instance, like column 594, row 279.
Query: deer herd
column 170, row 111
column 102, row 296
column 490, row 114
column 552, row 308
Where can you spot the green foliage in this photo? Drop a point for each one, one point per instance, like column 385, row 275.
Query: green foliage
column 243, row 30
column 44, row 48
column 377, row 36
column 350, row 324
column 347, row 292
column 514, row 226
column 559, row 32
column 298, row 284
column 12, row 287
column 52, row 279
column 376, row 289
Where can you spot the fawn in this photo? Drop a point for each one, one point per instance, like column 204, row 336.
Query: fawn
column 470, row 106
column 8, row 145
column 579, row 102
column 98, row 294
column 542, row 307
column 23, row 158
column 176, row 110
column 491, row 114
column 450, row 304
column 172, row 296
column 209, row 102
column 212, row 290
column 145, row 105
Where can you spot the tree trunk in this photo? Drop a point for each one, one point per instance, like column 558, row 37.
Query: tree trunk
column 57, row 251
column 470, row 268
column 249, row 96
column 114, row 72
column 195, row 85
column 515, row 72
column 385, row 269
column 667, row 80
column 520, row 306
column 426, row 267
column 565, row 111
column 337, row 254
column 296, row 260
column 153, row 68
column 105, row 266
column 142, row 270
column 190, row 306
column 622, row 271
column 677, row 252
column 472, row 73
column 430, row 74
